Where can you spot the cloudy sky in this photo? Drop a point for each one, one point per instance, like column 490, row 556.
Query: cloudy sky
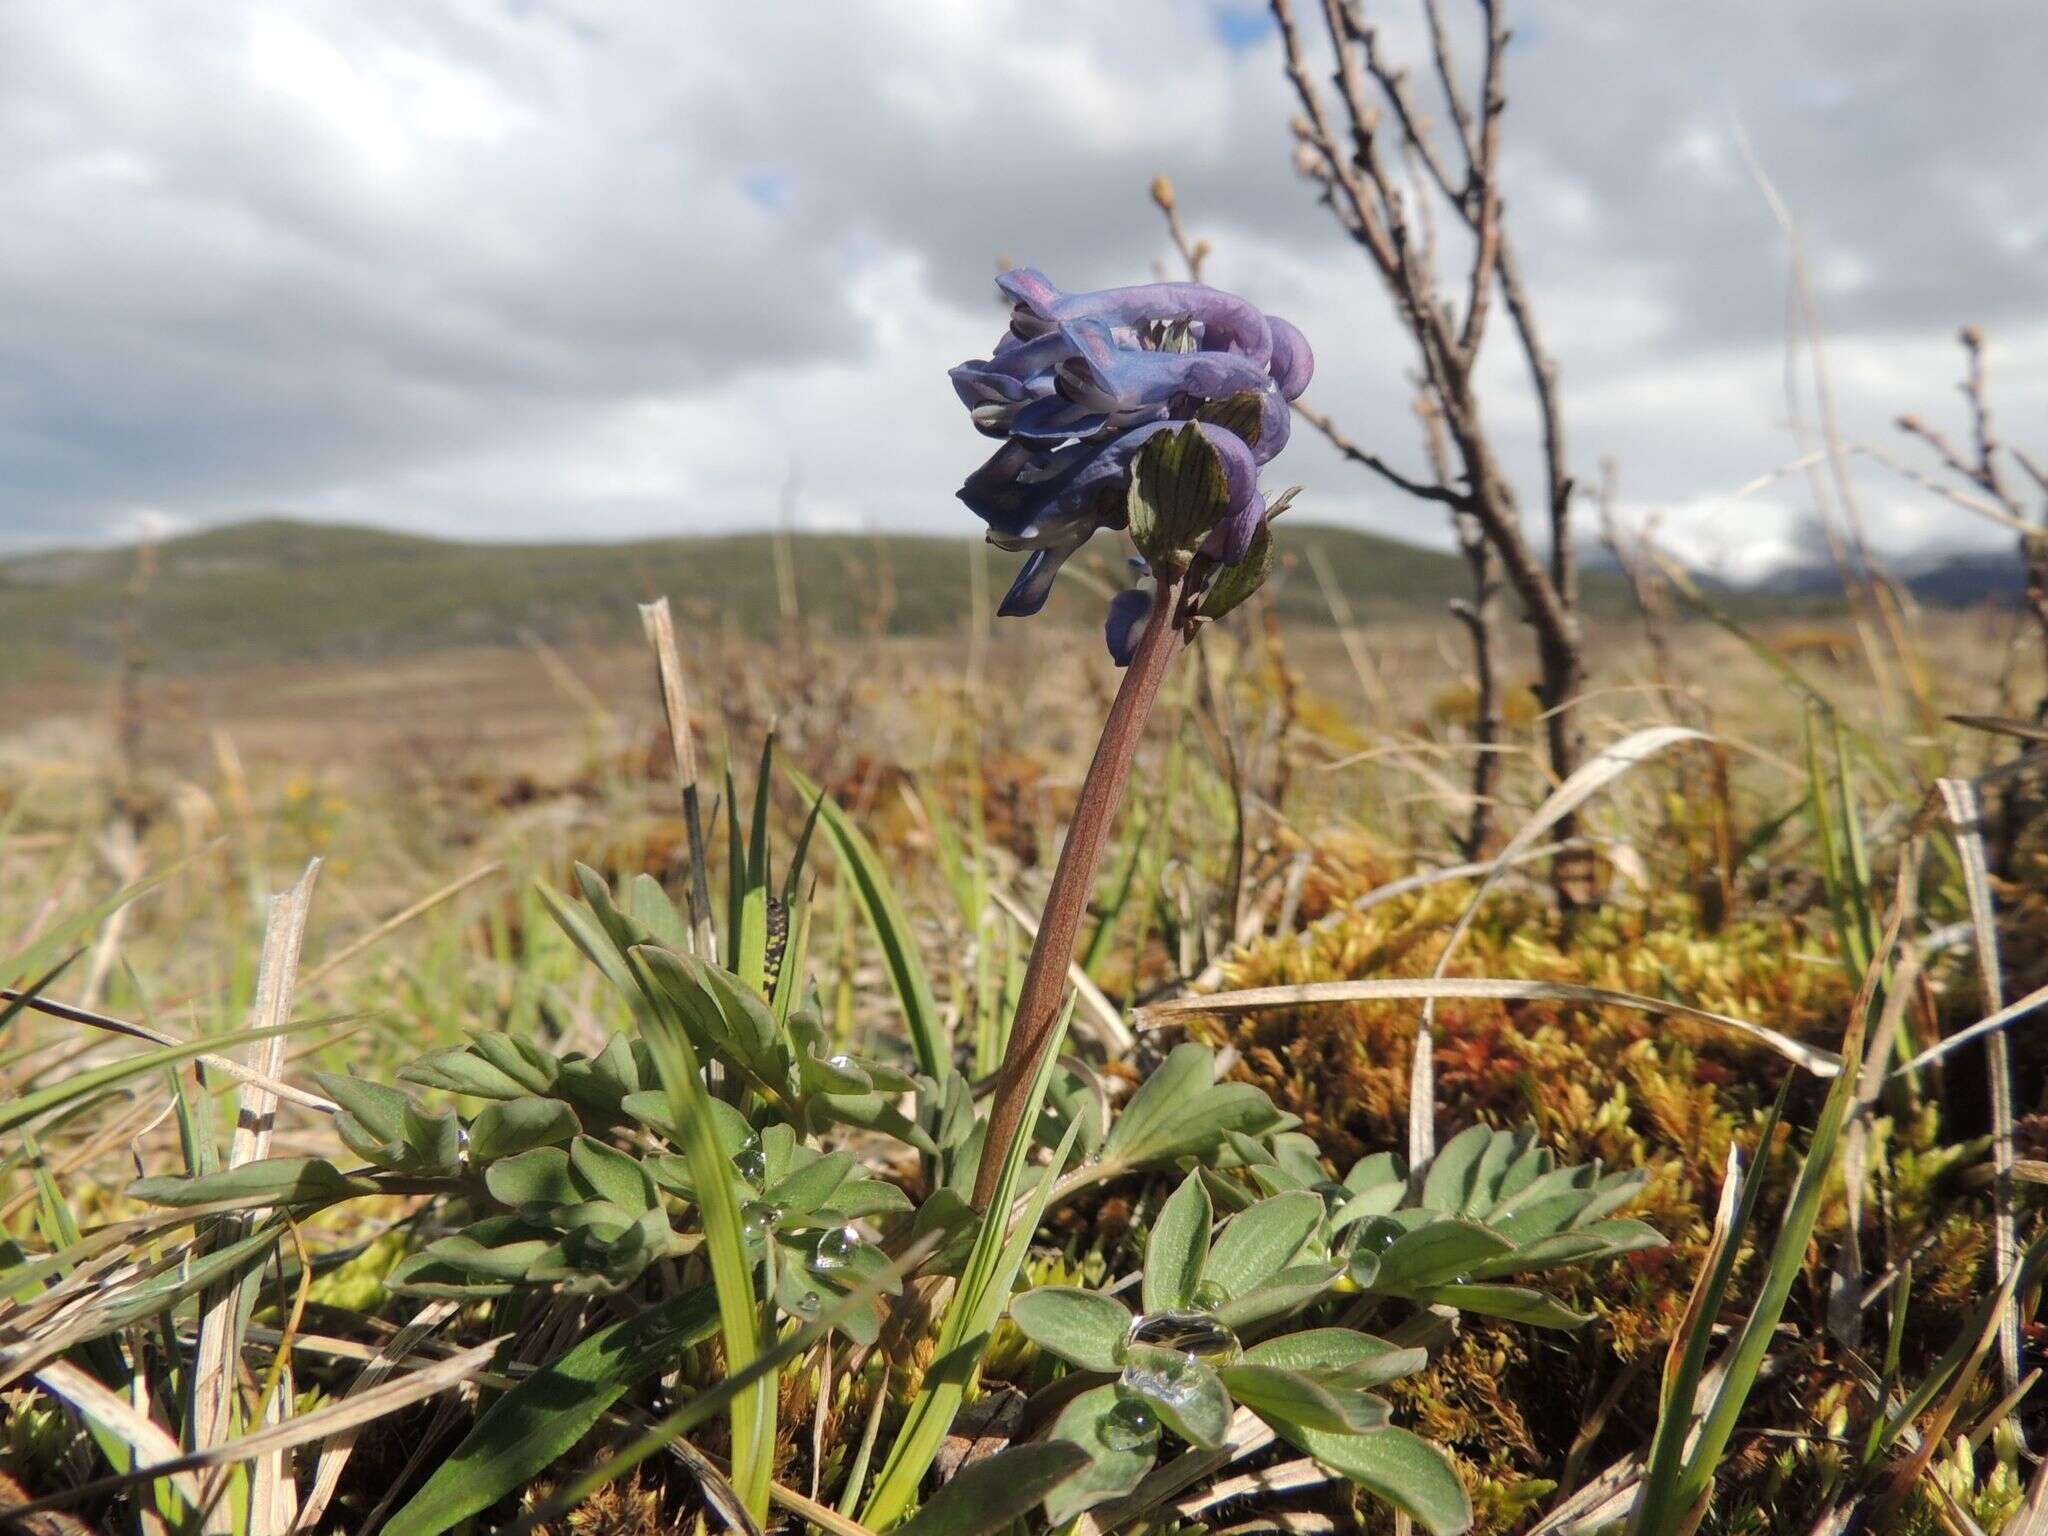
column 597, row 268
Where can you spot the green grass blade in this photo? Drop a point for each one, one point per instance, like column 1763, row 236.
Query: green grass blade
column 760, row 1371
column 33, row 1106
column 524, row 1432
column 739, row 1310
column 892, row 930
column 984, row 1289
column 1787, row 1260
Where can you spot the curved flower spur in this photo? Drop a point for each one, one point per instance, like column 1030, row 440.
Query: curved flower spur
column 1186, row 379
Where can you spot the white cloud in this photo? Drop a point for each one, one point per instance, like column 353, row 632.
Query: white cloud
column 549, row 267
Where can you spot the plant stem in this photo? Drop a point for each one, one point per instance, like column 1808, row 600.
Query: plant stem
column 1045, row 977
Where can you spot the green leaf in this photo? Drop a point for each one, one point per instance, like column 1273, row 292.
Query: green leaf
column 611, row 1175
column 1362, row 1359
column 1183, row 1391
column 460, row 1070
column 1454, row 1174
column 533, row 1069
column 1402, row 1468
column 988, row 1495
column 1312, row 1400
column 891, row 928
column 274, row 1180
column 1121, row 1450
column 378, row 1109
column 515, row 1125
column 534, row 1178
column 1084, row 1328
column 740, row 1316
column 811, row 1187
column 540, row 1420
column 1438, row 1253
column 805, row 1291
column 1175, row 1250
column 1517, row 1303
column 1256, row 1244
column 1235, row 584
column 1503, row 1150
column 1181, row 1111
column 1286, row 1291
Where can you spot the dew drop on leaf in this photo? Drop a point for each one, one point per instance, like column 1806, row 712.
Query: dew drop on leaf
column 1128, row 1426
column 1197, row 1335
column 834, row 1249
column 752, row 1162
column 758, row 1218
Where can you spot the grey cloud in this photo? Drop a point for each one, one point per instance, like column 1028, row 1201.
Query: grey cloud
column 457, row 263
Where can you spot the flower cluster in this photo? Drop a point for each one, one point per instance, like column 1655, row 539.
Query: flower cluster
column 1082, row 381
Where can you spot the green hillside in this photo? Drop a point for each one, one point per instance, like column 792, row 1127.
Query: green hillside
column 290, row 590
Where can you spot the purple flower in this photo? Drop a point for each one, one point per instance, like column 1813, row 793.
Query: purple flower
column 1081, row 382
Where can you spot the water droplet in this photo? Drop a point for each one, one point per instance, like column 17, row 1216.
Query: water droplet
column 1163, row 1375
column 758, row 1218
column 752, row 1162
column 1129, row 1425
column 834, row 1249
column 1209, row 1296
column 807, row 1304
column 1195, row 1335
column 842, row 1063
column 1378, row 1238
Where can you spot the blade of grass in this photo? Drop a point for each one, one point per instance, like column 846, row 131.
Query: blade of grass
column 1788, row 1251
column 746, row 1379
column 892, row 930
column 524, row 1432
column 1965, row 818
column 1000, row 1244
column 732, row 1274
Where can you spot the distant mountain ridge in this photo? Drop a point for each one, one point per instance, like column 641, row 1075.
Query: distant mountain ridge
column 284, row 589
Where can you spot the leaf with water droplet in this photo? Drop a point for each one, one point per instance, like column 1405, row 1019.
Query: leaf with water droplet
column 1195, row 1334
column 1084, row 1328
column 1185, row 1393
column 833, row 1249
column 1121, row 1437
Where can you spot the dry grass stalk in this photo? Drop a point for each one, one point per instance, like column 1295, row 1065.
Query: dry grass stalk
column 223, row 1313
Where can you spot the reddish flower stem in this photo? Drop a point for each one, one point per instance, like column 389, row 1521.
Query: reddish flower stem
column 1073, row 880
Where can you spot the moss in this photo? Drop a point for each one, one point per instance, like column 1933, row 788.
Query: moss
column 1616, row 1085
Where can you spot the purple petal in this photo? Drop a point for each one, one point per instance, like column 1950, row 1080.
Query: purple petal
column 1027, row 288
column 994, row 389
column 1225, row 322
column 1033, row 585
column 1231, row 539
column 1032, row 496
column 1128, row 611
column 1276, row 422
column 1293, row 364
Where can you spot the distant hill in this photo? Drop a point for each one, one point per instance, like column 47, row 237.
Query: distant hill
column 285, row 590
column 1961, row 580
